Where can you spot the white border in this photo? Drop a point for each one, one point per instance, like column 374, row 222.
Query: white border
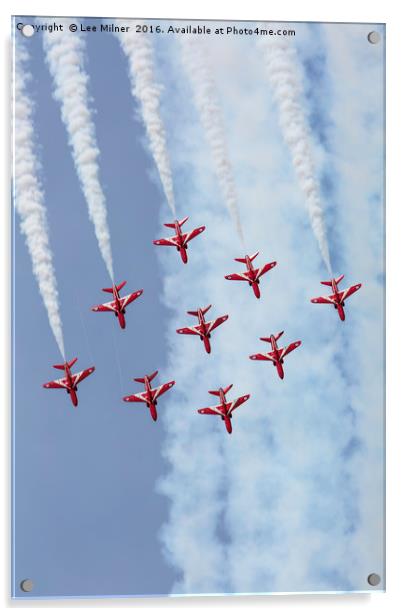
column 291, row 10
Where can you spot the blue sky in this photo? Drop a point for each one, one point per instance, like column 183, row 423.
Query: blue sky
column 108, row 503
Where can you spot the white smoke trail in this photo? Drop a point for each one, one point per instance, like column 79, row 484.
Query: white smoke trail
column 284, row 76
column 204, row 89
column 138, row 49
column 65, row 57
column 28, row 195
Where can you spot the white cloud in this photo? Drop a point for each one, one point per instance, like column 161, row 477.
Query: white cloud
column 358, row 145
column 283, row 492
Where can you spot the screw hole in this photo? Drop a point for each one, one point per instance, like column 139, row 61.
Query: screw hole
column 374, row 579
column 373, row 37
column 27, row 30
column 26, row 585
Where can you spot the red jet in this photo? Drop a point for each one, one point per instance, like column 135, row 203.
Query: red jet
column 70, row 381
column 276, row 355
column 225, row 408
column 180, row 240
column 252, row 275
column 118, row 304
column 149, row 396
column 204, row 328
column 338, row 297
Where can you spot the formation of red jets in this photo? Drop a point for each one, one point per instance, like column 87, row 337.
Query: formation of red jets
column 203, row 329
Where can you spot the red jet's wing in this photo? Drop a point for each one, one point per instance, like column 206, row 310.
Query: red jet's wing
column 136, row 398
column 211, row 325
column 265, row 357
column 263, row 270
column 159, row 391
column 324, row 300
column 189, row 330
column 236, row 403
column 167, row 241
column 211, row 410
column 108, row 307
column 125, row 301
column 187, row 237
column 238, row 277
column 291, row 347
column 80, row 376
column 57, row 384
column 348, row 292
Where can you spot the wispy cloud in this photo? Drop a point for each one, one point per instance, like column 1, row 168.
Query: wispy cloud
column 28, row 194
column 65, row 55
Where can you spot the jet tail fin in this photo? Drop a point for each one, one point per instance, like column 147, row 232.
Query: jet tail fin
column 68, row 363
column 118, row 287
column 194, row 313
column 328, row 283
column 121, row 285
column 182, row 221
column 251, row 257
column 150, row 377
column 276, row 336
column 172, row 225
column 216, row 392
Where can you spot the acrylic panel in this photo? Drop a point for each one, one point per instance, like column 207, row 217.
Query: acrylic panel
column 198, row 206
